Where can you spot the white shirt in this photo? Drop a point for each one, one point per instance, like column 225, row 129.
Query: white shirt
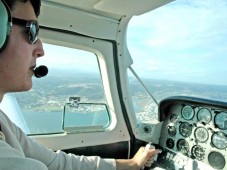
column 18, row 151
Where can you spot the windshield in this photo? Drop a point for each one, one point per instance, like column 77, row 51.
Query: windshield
column 180, row 49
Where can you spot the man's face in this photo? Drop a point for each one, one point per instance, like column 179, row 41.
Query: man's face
column 19, row 57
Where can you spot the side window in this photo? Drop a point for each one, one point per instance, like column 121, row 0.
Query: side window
column 70, row 98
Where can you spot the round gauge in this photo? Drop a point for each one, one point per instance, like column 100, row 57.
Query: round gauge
column 221, row 120
column 187, row 112
column 147, row 129
column 170, row 143
column 173, row 118
column 204, row 115
column 201, row 134
column 219, row 140
column 198, row 152
column 172, row 131
column 216, row 160
column 183, row 146
column 185, row 129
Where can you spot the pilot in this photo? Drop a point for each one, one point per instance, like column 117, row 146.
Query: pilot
column 20, row 47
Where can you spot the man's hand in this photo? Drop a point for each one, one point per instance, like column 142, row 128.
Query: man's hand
column 142, row 158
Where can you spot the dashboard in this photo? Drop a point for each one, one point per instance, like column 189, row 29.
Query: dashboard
column 194, row 130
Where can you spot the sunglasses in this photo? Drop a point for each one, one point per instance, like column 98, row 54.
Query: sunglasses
column 32, row 28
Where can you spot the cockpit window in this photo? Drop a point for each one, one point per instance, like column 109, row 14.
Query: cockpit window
column 70, row 98
column 180, row 49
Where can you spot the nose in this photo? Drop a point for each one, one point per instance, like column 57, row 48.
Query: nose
column 39, row 51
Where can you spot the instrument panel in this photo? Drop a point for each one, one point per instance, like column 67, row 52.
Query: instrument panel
column 196, row 128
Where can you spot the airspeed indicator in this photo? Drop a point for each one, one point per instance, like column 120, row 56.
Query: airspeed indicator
column 187, row 112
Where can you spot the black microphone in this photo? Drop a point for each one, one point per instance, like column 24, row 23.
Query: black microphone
column 40, row 71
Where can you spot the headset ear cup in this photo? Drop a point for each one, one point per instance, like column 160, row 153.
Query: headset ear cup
column 5, row 27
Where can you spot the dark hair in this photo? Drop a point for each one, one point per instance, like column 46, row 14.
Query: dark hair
column 35, row 4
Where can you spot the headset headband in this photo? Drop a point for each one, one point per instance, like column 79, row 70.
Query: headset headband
column 6, row 24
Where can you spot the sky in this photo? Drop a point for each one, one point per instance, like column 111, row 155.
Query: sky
column 182, row 41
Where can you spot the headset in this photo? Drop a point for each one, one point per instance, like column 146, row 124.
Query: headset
column 5, row 24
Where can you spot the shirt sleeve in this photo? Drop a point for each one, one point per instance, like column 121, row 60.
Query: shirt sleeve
column 71, row 161
column 14, row 139
column 60, row 160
